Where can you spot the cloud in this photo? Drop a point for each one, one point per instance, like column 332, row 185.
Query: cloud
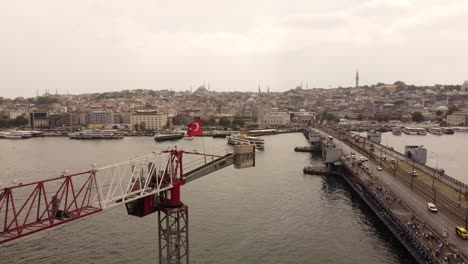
column 108, row 45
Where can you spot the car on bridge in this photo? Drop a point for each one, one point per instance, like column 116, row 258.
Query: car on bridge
column 413, row 173
column 461, row 232
column 432, row 207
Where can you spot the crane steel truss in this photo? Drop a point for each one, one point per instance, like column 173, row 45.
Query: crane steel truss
column 28, row 208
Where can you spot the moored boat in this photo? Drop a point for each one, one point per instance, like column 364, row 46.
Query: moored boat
column 242, row 139
column 414, row 131
column 315, row 139
column 396, row 131
column 95, row 134
column 435, row 130
column 167, row 136
column 15, row 135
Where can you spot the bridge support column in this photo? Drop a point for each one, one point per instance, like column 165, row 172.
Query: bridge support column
column 173, row 226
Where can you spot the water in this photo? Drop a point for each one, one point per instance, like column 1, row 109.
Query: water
column 268, row 214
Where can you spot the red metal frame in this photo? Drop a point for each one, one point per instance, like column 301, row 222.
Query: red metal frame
column 46, row 206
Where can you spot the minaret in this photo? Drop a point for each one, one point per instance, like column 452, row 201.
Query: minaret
column 268, row 89
column 357, row 79
column 259, row 89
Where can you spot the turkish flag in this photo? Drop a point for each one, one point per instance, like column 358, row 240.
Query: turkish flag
column 194, row 128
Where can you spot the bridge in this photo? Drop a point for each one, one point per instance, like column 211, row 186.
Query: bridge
column 402, row 197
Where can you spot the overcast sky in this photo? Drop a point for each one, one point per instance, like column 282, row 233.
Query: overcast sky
column 96, row 46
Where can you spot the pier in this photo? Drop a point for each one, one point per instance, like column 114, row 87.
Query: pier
column 400, row 199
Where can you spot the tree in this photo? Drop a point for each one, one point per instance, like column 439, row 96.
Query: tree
column 44, row 100
column 359, row 117
column 224, row 121
column 211, row 121
column 400, row 85
column 330, row 117
column 143, row 125
column 438, row 113
column 238, row 121
column 452, row 109
column 417, row 117
column 20, row 121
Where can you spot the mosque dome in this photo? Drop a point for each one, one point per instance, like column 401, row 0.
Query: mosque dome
column 442, row 108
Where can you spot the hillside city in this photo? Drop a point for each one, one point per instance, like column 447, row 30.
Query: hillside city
column 157, row 110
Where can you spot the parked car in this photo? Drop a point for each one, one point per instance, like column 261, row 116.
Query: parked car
column 432, row 207
column 392, row 160
column 363, row 159
column 413, row 173
column 379, row 168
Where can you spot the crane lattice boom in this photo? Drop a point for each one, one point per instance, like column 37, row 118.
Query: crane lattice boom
column 147, row 184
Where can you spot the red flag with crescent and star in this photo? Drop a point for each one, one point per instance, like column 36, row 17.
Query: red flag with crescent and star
column 194, row 128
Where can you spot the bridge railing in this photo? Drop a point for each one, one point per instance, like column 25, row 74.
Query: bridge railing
column 385, row 211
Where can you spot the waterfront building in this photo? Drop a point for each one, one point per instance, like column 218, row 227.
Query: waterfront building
column 275, row 119
column 39, row 120
column 59, row 120
column 457, row 118
column 151, row 119
column 101, row 118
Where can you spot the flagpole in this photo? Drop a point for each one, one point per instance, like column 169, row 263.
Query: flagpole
column 203, row 141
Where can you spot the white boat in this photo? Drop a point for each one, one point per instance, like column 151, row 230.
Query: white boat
column 396, row 131
column 242, row 139
column 315, row 139
column 414, row 131
column 374, row 137
column 9, row 135
column 96, row 134
column 15, row 135
column 435, row 130
column 167, row 136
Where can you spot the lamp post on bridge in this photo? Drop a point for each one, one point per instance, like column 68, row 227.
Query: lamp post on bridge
column 412, row 172
column 433, row 177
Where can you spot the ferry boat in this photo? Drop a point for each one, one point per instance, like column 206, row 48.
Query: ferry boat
column 448, row 131
column 243, row 139
column 374, row 137
column 95, row 134
column 16, row 134
column 262, row 132
column 414, row 131
column 396, row 131
column 168, row 136
column 315, row 140
column 435, row 130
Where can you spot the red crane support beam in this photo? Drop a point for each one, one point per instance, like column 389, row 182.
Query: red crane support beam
column 33, row 207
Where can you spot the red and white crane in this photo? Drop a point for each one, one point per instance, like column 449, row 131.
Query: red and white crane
column 145, row 185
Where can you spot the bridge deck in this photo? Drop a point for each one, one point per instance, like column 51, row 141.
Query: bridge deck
column 414, row 192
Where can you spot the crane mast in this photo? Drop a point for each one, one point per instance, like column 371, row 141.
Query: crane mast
column 145, row 185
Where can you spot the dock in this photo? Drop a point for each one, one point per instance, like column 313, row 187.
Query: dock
column 317, row 170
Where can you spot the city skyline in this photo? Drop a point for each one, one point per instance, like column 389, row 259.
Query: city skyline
column 102, row 47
